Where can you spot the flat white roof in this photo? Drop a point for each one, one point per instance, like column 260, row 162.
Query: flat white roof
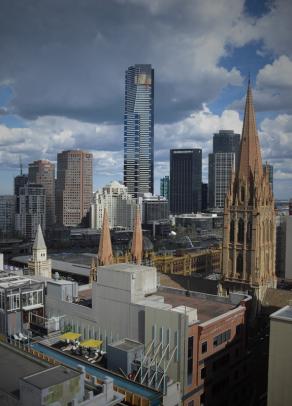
column 284, row 314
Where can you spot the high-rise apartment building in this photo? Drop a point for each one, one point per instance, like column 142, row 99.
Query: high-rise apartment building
column 164, row 187
column 7, row 214
column 73, row 187
column 139, row 129
column 222, row 162
column 30, row 210
column 249, row 236
column 42, row 172
column 185, row 180
column 120, row 205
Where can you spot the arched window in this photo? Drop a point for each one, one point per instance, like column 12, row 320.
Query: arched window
column 232, row 231
column 240, row 236
column 239, row 264
column 242, row 194
column 249, row 232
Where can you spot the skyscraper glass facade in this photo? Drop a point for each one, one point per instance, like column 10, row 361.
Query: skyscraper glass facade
column 185, row 180
column 222, row 161
column 139, row 129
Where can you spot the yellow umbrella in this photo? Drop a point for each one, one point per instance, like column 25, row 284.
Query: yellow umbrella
column 70, row 336
column 91, row 343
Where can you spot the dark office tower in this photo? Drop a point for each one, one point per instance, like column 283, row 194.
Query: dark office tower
column 204, row 196
column 226, row 141
column 139, row 129
column 42, row 172
column 19, row 181
column 222, row 162
column 185, row 180
column 164, row 187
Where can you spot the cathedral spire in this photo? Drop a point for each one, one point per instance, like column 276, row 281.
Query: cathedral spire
column 105, row 252
column 137, row 242
column 250, row 160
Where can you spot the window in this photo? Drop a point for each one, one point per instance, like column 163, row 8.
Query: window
column 232, row 231
column 238, row 329
column 202, row 399
column 190, row 359
column 239, row 264
column 204, row 347
column 191, row 403
column 240, row 235
column 203, row 373
column 221, row 338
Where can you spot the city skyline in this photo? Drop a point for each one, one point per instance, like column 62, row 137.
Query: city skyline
column 65, row 87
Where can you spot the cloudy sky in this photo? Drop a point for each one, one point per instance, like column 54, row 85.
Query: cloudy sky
column 62, row 78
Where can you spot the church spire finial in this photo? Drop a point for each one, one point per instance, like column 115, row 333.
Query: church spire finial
column 250, row 160
column 105, row 253
column 137, row 242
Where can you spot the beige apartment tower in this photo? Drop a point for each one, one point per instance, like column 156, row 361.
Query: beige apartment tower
column 249, row 244
column 42, row 172
column 73, row 187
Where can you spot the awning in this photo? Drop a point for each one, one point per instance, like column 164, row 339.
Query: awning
column 70, row 336
column 91, row 343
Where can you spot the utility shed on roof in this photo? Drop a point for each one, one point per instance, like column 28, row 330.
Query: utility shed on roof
column 122, row 353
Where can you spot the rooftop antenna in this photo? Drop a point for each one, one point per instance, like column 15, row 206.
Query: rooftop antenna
column 20, row 164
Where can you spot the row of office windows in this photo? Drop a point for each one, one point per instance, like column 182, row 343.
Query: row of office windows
column 217, row 340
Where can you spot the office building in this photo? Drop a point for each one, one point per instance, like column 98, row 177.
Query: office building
column 249, row 232
column 154, row 208
column 7, row 215
column 139, row 129
column 19, row 181
column 164, row 187
column 120, row 206
column 280, row 358
column 185, row 180
column 281, row 244
column 31, row 382
column 196, row 341
column 226, row 141
column 73, row 187
column 19, row 297
column 222, row 162
column 30, row 210
column 42, row 172
column 221, row 167
column 205, row 203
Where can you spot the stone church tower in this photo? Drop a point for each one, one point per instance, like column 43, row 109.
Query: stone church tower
column 39, row 264
column 249, row 235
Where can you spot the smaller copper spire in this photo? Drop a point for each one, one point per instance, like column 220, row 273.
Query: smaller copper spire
column 137, row 242
column 105, row 252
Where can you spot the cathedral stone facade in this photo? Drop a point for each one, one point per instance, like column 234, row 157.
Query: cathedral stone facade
column 249, row 236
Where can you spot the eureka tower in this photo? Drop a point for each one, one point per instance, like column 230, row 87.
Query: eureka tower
column 139, row 129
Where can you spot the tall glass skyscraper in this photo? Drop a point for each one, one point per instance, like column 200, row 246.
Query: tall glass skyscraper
column 222, row 162
column 139, row 129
